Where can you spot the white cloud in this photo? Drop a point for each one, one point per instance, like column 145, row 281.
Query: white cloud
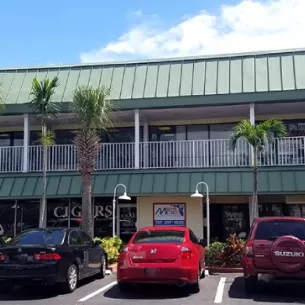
column 248, row 26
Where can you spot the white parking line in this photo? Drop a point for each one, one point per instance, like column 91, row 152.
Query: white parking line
column 93, row 294
column 220, row 289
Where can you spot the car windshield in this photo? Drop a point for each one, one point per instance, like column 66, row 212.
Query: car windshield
column 269, row 230
column 154, row 236
column 39, row 237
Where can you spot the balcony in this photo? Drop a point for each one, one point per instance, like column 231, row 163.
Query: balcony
column 154, row 155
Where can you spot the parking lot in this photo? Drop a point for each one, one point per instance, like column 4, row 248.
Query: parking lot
column 215, row 289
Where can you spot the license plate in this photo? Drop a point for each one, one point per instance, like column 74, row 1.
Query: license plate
column 150, row 272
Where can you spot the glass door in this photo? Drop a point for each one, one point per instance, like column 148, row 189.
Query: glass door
column 127, row 219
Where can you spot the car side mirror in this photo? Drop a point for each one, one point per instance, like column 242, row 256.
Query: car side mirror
column 242, row 235
column 203, row 242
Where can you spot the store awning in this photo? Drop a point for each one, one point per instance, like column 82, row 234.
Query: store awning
column 223, row 181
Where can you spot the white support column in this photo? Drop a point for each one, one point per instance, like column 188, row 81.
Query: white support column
column 252, row 121
column 146, row 145
column 137, row 137
column 252, row 113
column 26, row 136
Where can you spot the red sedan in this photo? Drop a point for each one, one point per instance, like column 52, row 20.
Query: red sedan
column 163, row 255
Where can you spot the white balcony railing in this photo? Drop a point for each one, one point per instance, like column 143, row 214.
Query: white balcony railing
column 179, row 154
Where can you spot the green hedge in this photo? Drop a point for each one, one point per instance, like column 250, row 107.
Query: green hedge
column 112, row 246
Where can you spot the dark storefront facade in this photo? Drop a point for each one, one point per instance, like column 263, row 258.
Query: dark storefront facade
column 20, row 215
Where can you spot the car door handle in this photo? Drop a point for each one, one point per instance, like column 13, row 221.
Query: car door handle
column 262, row 246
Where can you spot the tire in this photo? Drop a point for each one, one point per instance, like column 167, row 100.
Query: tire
column 103, row 269
column 250, row 284
column 195, row 287
column 124, row 287
column 203, row 274
column 72, row 279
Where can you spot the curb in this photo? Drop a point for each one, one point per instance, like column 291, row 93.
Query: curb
column 112, row 267
column 224, row 269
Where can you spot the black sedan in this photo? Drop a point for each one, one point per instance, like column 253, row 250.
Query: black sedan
column 50, row 256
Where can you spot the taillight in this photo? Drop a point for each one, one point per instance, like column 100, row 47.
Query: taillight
column 123, row 255
column 3, row 257
column 42, row 256
column 249, row 249
column 186, row 253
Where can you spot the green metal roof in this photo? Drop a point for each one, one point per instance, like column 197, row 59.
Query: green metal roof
column 223, row 181
column 148, row 81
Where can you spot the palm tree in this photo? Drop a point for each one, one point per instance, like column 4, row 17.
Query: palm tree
column 93, row 109
column 258, row 136
column 43, row 108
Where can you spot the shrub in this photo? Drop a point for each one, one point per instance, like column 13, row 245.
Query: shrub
column 112, row 246
column 226, row 254
column 232, row 252
column 212, row 253
column 7, row 239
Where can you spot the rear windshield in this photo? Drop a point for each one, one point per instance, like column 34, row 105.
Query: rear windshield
column 274, row 229
column 39, row 237
column 166, row 237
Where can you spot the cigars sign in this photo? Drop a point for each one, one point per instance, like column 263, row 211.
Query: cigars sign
column 100, row 211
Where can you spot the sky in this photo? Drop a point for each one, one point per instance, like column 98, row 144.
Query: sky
column 35, row 32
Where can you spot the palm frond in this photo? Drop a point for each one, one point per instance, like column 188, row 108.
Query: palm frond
column 258, row 136
column 41, row 102
column 244, row 129
column 93, row 106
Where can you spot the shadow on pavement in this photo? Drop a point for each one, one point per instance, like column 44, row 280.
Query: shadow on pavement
column 268, row 292
column 147, row 292
column 29, row 293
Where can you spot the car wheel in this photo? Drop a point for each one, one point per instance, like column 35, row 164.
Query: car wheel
column 72, row 279
column 124, row 287
column 250, row 283
column 195, row 287
column 103, row 269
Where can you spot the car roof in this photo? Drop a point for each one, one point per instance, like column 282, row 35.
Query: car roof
column 277, row 218
column 165, row 228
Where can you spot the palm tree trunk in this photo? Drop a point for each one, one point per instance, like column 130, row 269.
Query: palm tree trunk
column 44, row 176
column 87, row 219
column 254, row 208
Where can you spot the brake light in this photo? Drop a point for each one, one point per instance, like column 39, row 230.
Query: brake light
column 3, row 257
column 123, row 255
column 249, row 249
column 186, row 253
column 42, row 256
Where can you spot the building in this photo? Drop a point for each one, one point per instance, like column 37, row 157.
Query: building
column 171, row 132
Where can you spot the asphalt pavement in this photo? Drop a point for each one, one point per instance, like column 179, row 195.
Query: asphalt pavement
column 227, row 289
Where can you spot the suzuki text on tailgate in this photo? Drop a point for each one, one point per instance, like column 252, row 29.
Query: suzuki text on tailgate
column 276, row 247
column 164, row 255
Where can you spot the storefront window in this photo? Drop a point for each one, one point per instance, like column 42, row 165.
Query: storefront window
column 65, row 136
column 296, row 210
column 75, row 213
column 268, row 209
column 27, row 214
column 102, row 217
column 235, row 219
column 7, row 216
column 58, row 212
column 197, row 132
column 128, row 219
